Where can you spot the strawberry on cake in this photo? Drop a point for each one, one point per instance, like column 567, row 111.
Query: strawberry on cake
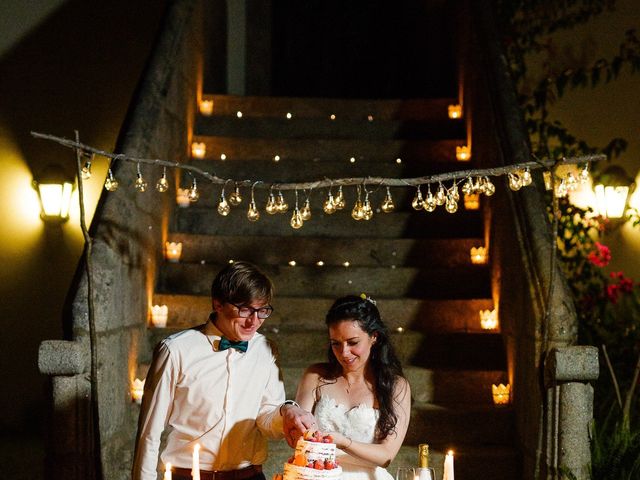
column 313, row 459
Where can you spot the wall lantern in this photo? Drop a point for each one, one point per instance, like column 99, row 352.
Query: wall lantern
column 612, row 188
column 501, row 393
column 54, row 191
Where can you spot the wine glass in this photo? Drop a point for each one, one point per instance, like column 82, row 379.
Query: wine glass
column 426, row 473
column 405, row 473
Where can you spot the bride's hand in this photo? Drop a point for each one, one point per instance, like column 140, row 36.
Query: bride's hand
column 340, row 440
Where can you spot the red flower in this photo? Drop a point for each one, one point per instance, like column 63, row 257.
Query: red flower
column 601, row 256
column 613, row 292
column 625, row 284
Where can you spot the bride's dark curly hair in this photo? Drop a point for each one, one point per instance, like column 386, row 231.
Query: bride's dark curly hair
column 382, row 359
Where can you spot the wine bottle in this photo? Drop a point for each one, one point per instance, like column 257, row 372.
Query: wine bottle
column 424, row 472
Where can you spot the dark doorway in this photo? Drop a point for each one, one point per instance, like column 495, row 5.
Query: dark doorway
column 363, row 49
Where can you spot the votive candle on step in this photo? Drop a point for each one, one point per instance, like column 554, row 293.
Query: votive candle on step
column 448, row 466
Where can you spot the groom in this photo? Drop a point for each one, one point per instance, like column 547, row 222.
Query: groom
column 218, row 386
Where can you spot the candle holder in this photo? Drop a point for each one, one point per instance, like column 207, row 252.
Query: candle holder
column 478, row 255
column 463, row 153
column 501, row 394
column 137, row 390
column 159, row 316
column 198, row 149
column 489, row 319
column 455, row 111
column 206, row 107
column 173, row 251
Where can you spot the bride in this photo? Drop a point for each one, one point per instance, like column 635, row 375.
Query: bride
column 360, row 396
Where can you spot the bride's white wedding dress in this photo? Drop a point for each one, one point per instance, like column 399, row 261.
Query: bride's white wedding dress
column 357, row 423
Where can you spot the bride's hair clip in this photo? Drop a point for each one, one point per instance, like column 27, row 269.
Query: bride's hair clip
column 364, row 296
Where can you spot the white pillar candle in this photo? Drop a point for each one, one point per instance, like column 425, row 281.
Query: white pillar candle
column 167, row 472
column 195, row 469
column 448, row 466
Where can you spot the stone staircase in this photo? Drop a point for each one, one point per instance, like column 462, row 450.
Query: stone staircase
column 416, row 264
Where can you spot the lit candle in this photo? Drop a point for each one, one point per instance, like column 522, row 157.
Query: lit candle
column 198, row 149
column 478, row 255
column 159, row 315
column 472, row 201
column 174, row 251
column 489, row 319
column 167, row 472
column 463, row 153
column 182, row 197
column 501, row 393
column 137, row 390
column 455, row 111
column 448, row 466
column 195, row 468
column 206, row 107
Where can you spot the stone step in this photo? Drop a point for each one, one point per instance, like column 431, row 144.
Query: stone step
column 437, row 224
column 322, row 108
column 291, row 170
column 469, row 281
column 313, row 127
column 307, row 251
column 430, row 386
column 307, row 150
column 497, row 462
column 425, row 315
column 301, row 348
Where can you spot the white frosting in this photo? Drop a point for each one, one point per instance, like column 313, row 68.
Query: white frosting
column 313, row 451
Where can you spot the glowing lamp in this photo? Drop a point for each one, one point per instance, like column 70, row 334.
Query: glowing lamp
column 173, row 251
column 463, row 153
column 167, row 472
column 182, row 197
column 612, row 188
column 455, row 111
column 137, row 390
column 198, row 149
column 54, row 192
column 501, row 393
column 472, row 201
column 206, row 107
column 489, row 319
column 478, row 255
column 159, row 315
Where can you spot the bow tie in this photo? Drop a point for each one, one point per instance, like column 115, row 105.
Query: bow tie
column 225, row 343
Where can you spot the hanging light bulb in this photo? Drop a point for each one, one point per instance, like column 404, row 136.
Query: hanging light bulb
column 163, row 184
column 340, row 202
column 253, row 214
column 387, row 205
column 140, row 184
column 281, row 203
column 561, row 189
column 572, row 182
column 454, row 191
column 357, row 213
column 526, row 177
column 515, row 182
column 417, row 203
column 583, row 176
column 367, row 211
column 451, row 204
column 85, row 172
column 329, row 205
column 468, row 187
column 430, row 203
column 235, row 198
column 305, row 211
column 110, row 184
column 296, row 219
column 223, row 205
column 441, row 195
column 271, row 207
column 488, row 187
column 194, row 193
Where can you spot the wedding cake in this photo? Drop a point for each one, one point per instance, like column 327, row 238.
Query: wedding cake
column 313, row 459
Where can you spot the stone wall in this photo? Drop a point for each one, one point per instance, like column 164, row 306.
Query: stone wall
column 129, row 230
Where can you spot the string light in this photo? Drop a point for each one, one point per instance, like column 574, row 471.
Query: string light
column 235, row 198
column 223, row 205
column 329, row 206
column 223, row 157
column 398, row 160
column 515, row 181
column 352, row 159
column 194, row 193
column 271, row 208
column 163, row 184
column 239, row 114
column 572, row 182
column 86, row 169
column 417, row 203
column 370, row 118
column 111, row 184
column 140, row 183
column 281, row 204
column 276, row 158
column 292, row 263
column 253, row 215
column 441, row 195
column 289, row 116
column 430, row 202
column 367, row 211
column 387, row 204
column 340, row 201
column 526, row 177
column 296, row 218
column 320, row 263
column 332, row 117
column 583, row 176
column 306, row 210
column 357, row 213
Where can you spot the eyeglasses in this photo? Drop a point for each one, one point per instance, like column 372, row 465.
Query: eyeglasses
column 246, row 312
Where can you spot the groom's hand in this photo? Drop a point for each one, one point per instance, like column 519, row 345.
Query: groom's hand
column 296, row 421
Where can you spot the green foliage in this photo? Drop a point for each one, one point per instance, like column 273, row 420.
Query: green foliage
column 615, row 451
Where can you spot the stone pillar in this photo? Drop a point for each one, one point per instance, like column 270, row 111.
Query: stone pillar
column 572, row 369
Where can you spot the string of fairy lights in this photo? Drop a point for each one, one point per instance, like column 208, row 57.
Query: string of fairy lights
column 431, row 192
